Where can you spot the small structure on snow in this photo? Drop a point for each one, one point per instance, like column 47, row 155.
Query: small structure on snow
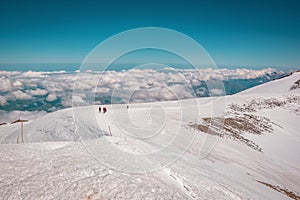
column 22, row 127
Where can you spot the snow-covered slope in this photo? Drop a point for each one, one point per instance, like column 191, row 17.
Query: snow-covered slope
column 278, row 86
column 244, row 146
column 56, row 126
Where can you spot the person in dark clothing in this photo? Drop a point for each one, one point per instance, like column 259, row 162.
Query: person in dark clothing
column 104, row 110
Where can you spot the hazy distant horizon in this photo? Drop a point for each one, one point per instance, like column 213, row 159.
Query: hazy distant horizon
column 69, row 67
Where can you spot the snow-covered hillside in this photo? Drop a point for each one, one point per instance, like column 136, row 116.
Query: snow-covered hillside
column 279, row 86
column 244, row 146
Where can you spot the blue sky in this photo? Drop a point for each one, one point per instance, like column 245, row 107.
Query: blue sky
column 253, row 33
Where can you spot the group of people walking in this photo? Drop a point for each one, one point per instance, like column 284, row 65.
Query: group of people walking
column 103, row 109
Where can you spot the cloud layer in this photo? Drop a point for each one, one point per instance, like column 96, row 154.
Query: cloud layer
column 54, row 90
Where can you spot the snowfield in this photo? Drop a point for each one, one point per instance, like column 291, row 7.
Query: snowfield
column 243, row 146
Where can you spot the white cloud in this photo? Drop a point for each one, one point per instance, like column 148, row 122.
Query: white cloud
column 5, row 85
column 216, row 92
column 3, row 101
column 17, row 84
column 8, row 117
column 4, row 74
column 21, row 95
column 34, row 74
column 77, row 100
column 51, row 97
column 37, row 92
